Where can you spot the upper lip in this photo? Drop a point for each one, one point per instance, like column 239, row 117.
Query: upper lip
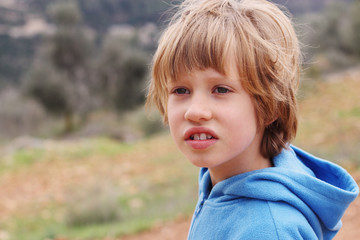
column 198, row 130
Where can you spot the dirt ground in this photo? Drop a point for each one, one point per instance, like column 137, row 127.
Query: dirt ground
column 178, row 230
column 14, row 194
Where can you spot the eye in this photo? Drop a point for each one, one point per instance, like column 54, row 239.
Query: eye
column 181, row 91
column 221, row 90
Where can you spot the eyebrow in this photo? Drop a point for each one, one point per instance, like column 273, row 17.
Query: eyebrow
column 220, row 77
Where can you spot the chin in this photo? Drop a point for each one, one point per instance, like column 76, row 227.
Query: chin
column 201, row 163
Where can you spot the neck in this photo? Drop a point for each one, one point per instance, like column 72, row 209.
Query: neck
column 220, row 173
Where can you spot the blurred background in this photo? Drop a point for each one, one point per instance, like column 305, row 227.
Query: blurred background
column 80, row 158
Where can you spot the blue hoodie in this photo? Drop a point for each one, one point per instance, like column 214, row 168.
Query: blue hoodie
column 301, row 197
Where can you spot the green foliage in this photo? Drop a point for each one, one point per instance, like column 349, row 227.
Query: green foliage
column 147, row 122
column 59, row 78
column 109, row 69
column 49, row 227
column 151, row 126
column 333, row 43
column 10, row 16
column 18, row 114
column 65, row 13
column 355, row 20
column 305, row 6
column 121, row 73
column 69, row 50
column 130, row 90
column 48, row 87
column 65, row 85
column 69, row 45
column 27, row 157
column 21, row 158
column 26, row 151
column 109, row 12
column 15, row 57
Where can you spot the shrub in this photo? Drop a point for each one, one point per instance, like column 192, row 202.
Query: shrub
column 18, row 115
column 146, row 123
column 96, row 203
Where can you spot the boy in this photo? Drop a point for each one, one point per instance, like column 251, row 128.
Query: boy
column 224, row 77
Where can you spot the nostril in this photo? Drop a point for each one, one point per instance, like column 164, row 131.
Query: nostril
column 197, row 114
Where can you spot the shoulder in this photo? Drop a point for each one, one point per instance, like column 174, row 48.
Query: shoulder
column 273, row 220
column 249, row 219
column 290, row 223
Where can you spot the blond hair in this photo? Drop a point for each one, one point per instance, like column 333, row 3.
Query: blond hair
column 255, row 34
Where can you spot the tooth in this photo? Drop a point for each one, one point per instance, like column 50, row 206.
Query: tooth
column 203, row 136
column 196, row 137
column 208, row 136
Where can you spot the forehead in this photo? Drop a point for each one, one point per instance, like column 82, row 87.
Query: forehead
column 230, row 71
column 208, row 74
column 202, row 45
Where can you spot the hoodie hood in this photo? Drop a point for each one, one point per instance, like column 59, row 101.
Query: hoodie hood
column 319, row 189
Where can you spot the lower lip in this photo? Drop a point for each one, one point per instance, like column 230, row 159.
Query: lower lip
column 201, row 144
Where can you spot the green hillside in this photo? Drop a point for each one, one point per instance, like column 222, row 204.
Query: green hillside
column 17, row 53
column 100, row 188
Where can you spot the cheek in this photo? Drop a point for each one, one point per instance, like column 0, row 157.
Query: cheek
column 173, row 117
column 255, row 112
column 170, row 111
column 171, row 123
column 242, row 120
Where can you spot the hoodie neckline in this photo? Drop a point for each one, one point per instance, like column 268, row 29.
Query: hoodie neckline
column 297, row 178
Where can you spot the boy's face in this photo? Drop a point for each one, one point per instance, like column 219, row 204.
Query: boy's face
column 212, row 120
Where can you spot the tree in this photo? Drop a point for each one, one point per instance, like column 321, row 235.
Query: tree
column 48, row 87
column 121, row 71
column 355, row 17
column 51, row 93
column 130, row 90
column 59, row 78
column 335, row 37
column 69, row 43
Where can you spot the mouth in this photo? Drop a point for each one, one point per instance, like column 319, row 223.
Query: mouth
column 201, row 136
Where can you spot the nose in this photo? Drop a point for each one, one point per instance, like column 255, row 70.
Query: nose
column 199, row 109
